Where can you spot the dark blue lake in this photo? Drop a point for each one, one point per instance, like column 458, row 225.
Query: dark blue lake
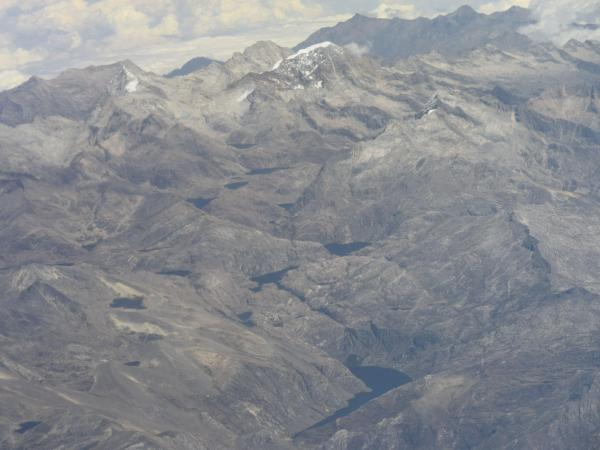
column 200, row 202
column 26, row 426
column 236, row 186
column 176, row 273
column 286, row 206
column 246, row 319
column 128, row 303
column 273, row 277
column 379, row 379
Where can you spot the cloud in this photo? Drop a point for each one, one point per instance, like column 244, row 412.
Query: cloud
column 10, row 78
column 562, row 20
column 492, row 7
column 389, row 9
column 408, row 9
column 9, row 59
column 44, row 37
column 215, row 17
column 47, row 36
column 357, row 49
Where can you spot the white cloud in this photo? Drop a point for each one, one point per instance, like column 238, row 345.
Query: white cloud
column 9, row 59
column 503, row 5
column 47, row 36
column 557, row 19
column 44, row 37
column 357, row 49
column 11, row 78
column 166, row 55
column 389, row 9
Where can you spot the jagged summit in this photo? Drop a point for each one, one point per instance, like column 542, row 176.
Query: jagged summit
column 307, row 66
column 360, row 18
column 263, row 51
column 131, row 66
column 257, row 58
column 305, row 54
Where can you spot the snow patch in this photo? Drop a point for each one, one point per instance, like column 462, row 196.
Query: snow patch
column 132, row 81
column 312, row 48
column 357, row 49
column 304, row 51
column 305, row 66
column 136, row 327
column 277, row 64
column 432, row 105
column 245, row 95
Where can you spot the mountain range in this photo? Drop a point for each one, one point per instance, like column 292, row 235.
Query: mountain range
column 383, row 238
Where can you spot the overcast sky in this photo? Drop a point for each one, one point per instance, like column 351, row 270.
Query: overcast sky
column 44, row 37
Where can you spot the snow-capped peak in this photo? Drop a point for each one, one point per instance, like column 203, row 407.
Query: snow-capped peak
column 312, row 48
column 304, row 51
column 308, row 67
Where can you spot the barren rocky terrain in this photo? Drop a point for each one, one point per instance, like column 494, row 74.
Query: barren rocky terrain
column 309, row 248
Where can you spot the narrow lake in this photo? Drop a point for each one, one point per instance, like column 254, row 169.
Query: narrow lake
column 128, row 303
column 345, row 249
column 268, row 278
column 379, row 379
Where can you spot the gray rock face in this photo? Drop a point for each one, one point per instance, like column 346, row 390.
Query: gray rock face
column 198, row 262
column 73, row 95
column 450, row 35
column 192, row 65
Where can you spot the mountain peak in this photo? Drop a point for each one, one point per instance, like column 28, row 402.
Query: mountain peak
column 130, row 66
column 193, row 65
column 465, row 11
column 257, row 58
column 264, row 52
column 74, row 94
column 311, row 48
column 305, row 66
column 359, row 18
column 34, row 80
column 261, row 47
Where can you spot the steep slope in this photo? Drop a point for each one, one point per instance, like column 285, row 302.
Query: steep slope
column 73, row 95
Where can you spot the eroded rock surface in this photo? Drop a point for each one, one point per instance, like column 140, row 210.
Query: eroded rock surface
column 200, row 261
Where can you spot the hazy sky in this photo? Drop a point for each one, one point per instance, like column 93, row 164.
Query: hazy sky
column 43, row 37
